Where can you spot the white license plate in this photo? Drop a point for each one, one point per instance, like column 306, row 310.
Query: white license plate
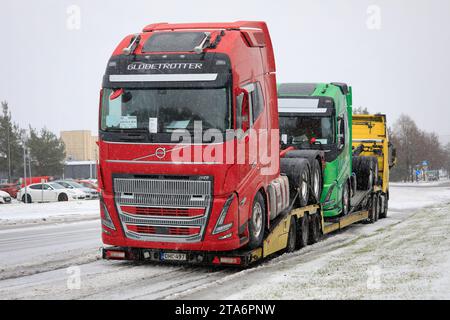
column 170, row 256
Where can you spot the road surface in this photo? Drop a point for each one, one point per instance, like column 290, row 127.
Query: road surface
column 404, row 256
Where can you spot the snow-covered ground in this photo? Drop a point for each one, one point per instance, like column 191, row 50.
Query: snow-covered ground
column 18, row 213
column 406, row 255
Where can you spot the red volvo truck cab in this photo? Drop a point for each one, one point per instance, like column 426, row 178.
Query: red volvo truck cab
column 180, row 109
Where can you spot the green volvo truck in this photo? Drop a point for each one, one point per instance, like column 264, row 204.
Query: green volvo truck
column 318, row 118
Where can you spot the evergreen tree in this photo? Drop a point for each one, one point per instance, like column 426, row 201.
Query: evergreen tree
column 11, row 151
column 47, row 153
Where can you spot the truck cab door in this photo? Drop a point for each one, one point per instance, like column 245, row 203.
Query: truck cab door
column 244, row 139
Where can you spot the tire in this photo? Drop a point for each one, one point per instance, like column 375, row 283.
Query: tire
column 345, row 199
column 292, row 238
column 29, row 199
column 257, row 222
column 303, row 232
column 366, row 170
column 316, row 182
column 374, row 167
column 63, row 197
column 298, row 173
column 378, row 211
column 314, row 228
column 373, row 209
column 384, row 211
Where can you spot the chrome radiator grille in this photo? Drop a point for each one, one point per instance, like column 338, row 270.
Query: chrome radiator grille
column 168, row 210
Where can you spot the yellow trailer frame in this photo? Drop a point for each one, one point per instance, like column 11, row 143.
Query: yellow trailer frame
column 277, row 240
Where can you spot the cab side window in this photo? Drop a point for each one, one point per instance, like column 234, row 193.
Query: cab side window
column 257, row 102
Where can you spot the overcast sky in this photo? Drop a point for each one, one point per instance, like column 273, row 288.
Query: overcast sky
column 395, row 53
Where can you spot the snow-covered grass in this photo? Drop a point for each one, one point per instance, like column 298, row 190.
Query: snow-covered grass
column 406, row 196
column 406, row 256
column 420, row 183
column 22, row 213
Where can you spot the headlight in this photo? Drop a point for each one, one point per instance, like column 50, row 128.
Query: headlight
column 220, row 227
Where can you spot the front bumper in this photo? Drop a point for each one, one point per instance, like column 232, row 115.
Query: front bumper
column 237, row 258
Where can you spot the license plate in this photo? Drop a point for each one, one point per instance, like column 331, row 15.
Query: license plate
column 170, row 256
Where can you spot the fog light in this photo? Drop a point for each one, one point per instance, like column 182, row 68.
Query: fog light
column 226, row 236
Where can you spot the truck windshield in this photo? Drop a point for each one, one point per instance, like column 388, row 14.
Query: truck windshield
column 165, row 110
column 301, row 129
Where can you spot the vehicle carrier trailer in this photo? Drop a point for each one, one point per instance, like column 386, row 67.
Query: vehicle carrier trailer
column 190, row 164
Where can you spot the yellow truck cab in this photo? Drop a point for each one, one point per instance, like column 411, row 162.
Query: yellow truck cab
column 371, row 138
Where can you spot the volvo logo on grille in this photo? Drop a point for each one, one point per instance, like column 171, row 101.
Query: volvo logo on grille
column 160, row 153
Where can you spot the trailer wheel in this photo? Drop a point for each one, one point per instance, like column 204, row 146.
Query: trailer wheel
column 316, row 182
column 292, row 238
column 303, row 232
column 314, row 229
column 257, row 222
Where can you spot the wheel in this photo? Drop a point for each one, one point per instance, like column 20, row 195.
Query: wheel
column 63, row 197
column 374, row 167
column 345, row 200
column 373, row 209
column 298, row 172
column 378, row 211
column 292, row 238
column 316, row 182
column 366, row 170
column 314, row 229
column 257, row 222
column 28, row 200
column 303, row 232
column 304, row 187
column 384, row 210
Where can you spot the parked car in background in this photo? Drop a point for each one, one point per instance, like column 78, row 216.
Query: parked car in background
column 433, row 175
column 32, row 180
column 5, row 197
column 88, row 184
column 69, row 184
column 49, row 192
column 10, row 188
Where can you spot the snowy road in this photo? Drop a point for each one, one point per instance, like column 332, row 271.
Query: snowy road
column 404, row 256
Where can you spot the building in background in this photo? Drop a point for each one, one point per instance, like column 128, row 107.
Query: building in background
column 81, row 145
